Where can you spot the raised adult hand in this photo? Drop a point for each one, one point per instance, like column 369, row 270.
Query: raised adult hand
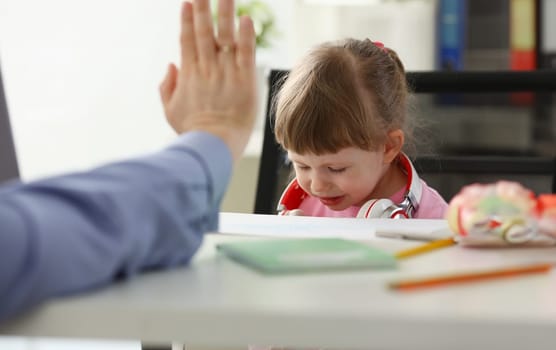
column 214, row 89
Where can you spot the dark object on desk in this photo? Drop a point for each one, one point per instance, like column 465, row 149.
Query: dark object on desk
column 8, row 161
column 450, row 167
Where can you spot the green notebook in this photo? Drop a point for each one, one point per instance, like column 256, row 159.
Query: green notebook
column 307, row 255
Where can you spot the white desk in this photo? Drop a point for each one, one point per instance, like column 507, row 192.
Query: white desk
column 218, row 303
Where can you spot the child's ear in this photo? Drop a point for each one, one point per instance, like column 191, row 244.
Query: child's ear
column 394, row 144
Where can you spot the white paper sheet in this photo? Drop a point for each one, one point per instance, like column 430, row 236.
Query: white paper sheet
column 305, row 226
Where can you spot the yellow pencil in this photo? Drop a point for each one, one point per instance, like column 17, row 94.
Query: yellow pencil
column 473, row 276
column 427, row 247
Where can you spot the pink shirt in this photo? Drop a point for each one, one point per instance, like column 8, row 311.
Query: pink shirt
column 431, row 206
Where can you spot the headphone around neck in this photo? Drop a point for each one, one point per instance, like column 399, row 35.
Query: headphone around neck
column 293, row 196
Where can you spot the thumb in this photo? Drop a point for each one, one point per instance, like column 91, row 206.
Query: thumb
column 168, row 84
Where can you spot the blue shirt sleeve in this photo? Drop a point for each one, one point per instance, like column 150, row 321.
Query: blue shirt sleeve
column 80, row 231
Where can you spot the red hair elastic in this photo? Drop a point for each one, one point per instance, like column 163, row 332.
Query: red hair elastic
column 380, row 45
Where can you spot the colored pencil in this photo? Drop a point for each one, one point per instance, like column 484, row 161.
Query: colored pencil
column 474, row 276
column 424, row 248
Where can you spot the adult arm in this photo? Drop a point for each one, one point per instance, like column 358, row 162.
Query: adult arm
column 80, row 231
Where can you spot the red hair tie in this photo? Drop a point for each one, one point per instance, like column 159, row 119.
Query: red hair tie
column 380, row 45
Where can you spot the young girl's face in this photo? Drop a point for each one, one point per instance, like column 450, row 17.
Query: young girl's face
column 340, row 180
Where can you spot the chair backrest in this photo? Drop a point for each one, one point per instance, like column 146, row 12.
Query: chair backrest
column 459, row 96
column 8, row 161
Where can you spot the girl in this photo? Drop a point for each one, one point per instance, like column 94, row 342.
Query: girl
column 342, row 117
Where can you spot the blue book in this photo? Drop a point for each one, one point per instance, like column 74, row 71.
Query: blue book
column 451, row 34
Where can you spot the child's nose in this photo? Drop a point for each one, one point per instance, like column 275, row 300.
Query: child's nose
column 319, row 184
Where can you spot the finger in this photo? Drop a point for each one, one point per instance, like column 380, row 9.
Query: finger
column 226, row 22
column 187, row 37
column 246, row 45
column 204, row 32
column 168, row 85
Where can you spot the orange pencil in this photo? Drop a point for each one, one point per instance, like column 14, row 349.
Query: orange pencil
column 435, row 281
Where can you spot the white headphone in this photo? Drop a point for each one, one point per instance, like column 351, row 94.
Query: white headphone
column 293, row 196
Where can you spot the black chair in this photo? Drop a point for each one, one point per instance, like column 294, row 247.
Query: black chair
column 8, row 162
column 447, row 169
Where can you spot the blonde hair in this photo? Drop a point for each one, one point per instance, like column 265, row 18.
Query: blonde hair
column 345, row 94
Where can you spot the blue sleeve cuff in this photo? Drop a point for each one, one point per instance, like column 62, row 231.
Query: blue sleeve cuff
column 216, row 157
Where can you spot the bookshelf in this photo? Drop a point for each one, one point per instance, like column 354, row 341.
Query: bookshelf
column 497, row 34
column 504, row 36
